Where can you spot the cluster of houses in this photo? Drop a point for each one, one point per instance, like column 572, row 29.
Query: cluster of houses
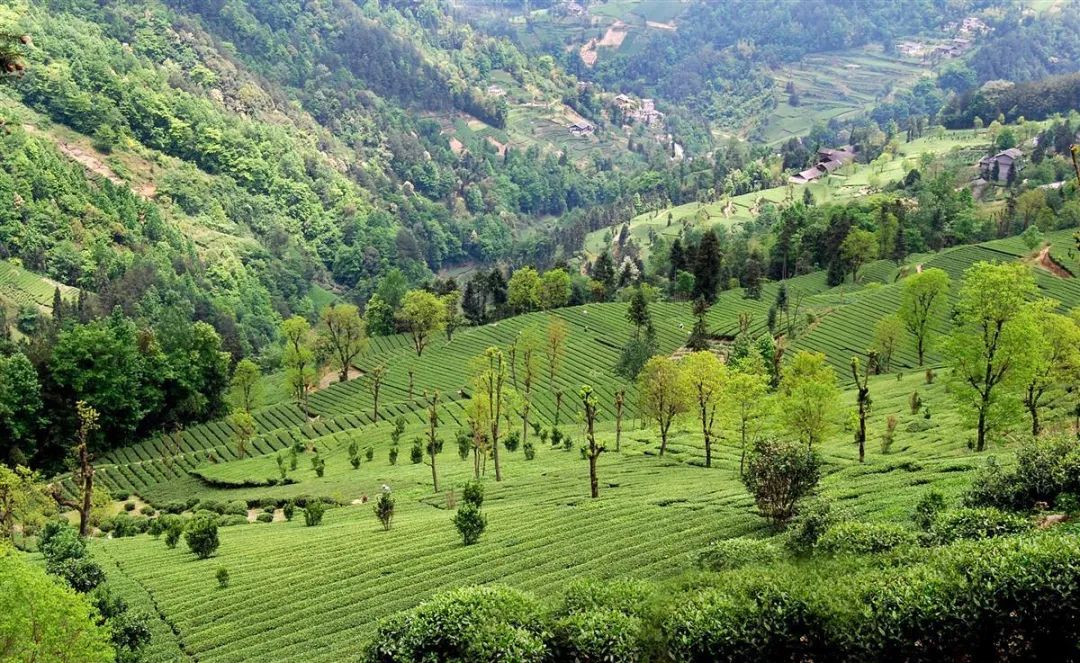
column 964, row 31
column 644, row 112
column 829, row 160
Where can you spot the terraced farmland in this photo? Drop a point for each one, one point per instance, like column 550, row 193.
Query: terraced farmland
column 23, row 288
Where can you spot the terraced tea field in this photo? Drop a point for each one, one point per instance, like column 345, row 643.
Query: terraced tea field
column 19, row 287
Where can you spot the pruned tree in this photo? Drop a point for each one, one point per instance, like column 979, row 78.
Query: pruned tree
column 780, row 474
column 862, row 399
column 528, row 346
column 244, row 430
column 922, row 301
column 662, row 393
column 433, row 436
column 589, row 407
column 703, row 377
column 344, row 333
column 746, row 398
column 454, row 318
column 555, row 347
column 620, row 399
column 490, row 384
column 83, row 476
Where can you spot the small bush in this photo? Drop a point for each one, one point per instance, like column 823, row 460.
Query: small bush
column 529, row 450
column 232, row 521
column 355, row 462
column 778, row 475
column 121, row 495
column 601, row 635
column 289, row 510
column 930, row 375
column 236, row 508
column 416, row 453
column 473, row 493
column 214, row 505
column 369, row 453
column 222, row 575
column 174, row 507
column 393, row 455
column 319, row 465
column 384, row 509
column 129, row 506
column 889, row 436
column 978, row 523
column 556, row 437
column 147, row 510
column 856, row 538
column 567, row 443
column 728, row 554
column 512, row 441
column 470, row 523
column 201, row 536
column 464, row 444
column 915, row 402
column 813, row 521
column 927, row 509
column 1068, row 503
column 265, row 518
column 313, row 513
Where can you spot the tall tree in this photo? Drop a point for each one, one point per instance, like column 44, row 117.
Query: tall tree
column 620, row 400
column 490, row 383
column 663, row 395
column 707, row 267
column 422, row 314
column 20, row 408
column 603, row 272
column 553, row 290
column 589, row 406
column 862, row 399
column 991, row 347
column 299, row 358
column 808, row 397
column 84, row 471
column 375, row 379
column 704, row 377
column 244, row 430
column 858, row 248
column 245, row 384
column 638, row 313
column 887, row 334
column 922, row 301
column 746, row 399
column 555, row 347
column 454, row 319
column 528, row 345
column 344, row 334
column 1057, row 361
column 522, row 289
column 433, row 436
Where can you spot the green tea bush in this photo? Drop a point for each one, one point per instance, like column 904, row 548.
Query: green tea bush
column 355, row 462
column 222, row 575
column 265, row 518
column 512, row 441
column 416, row 453
column 215, row 506
column 319, row 465
column 728, row 554
column 384, row 509
column 1045, row 466
column 289, row 510
column 556, row 437
column 487, row 623
column 976, row 523
column 602, row 635
column 236, row 508
column 470, row 523
column 1067, row 502
column 147, row 510
column 780, row 474
column 857, row 538
column 369, row 453
column 629, row 597
column 232, row 521
column 129, row 506
column 121, row 495
column 927, row 509
column 815, row 518
column 313, row 513
column 464, row 444
column 528, row 450
column 393, row 455
column 174, row 507
column 201, row 536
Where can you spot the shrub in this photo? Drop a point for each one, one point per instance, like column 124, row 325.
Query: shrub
column 318, row 464
column 1045, row 467
column 124, row 525
column 129, row 506
column 473, row 493
column 369, row 453
column 556, row 437
column 889, row 435
column 464, row 444
column 629, row 597
column 384, row 509
column 567, row 443
column 222, row 575
column 174, row 507
column 927, row 509
column 486, row 623
column 601, row 635
column 355, row 462
column 812, row 522
column 930, row 375
column 393, row 455
column 416, row 453
column 232, row 521
column 856, row 538
column 313, row 513
column 236, row 508
column 728, row 554
column 529, row 450
column 399, row 428
column 977, row 523
column 172, row 535
column 215, row 506
column 289, row 510
column 294, row 459
column 915, row 402
column 147, row 510
column 1067, row 502
column 121, row 495
column 265, row 517
column 512, row 441
column 470, row 523
column 201, row 536
column 778, row 475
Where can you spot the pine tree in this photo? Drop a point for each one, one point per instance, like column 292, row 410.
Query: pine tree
column 699, row 335
column 752, row 275
column 638, row 314
column 707, row 267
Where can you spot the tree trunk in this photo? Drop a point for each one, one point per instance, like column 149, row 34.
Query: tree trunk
column 375, row 407
column 742, row 455
column 919, row 347
column 663, row 438
column 618, row 420
column 594, row 485
column 980, row 442
column 705, row 435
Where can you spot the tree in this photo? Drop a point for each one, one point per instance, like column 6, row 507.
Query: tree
column 42, row 620
column 490, row 385
column 745, row 398
column 887, row 334
column 454, row 319
column 638, row 313
column 244, row 430
column 375, row 379
column 662, row 393
column 554, row 289
column 245, row 384
column 707, row 267
column 922, row 301
column 620, row 400
column 84, row 473
column 522, row 289
column 555, row 347
column 421, row 315
column 699, row 333
column 20, row 407
column 991, row 346
column 433, row 443
column 778, row 475
column 603, row 272
column 470, row 523
column 201, row 535
column 384, row 509
column 344, row 333
column 704, row 378
column 808, row 397
column 1057, row 361
column 858, row 248
column 589, row 407
column 862, row 383
column 299, row 358
column 23, row 502
column 379, row 317
column 528, row 345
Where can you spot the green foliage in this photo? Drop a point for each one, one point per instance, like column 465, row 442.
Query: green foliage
column 731, row 554
column 222, row 577
column 813, row 520
column 470, row 523
column 858, row 538
column 289, row 510
column 473, row 493
column 778, row 475
column 416, row 453
column 976, row 523
column 384, row 509
column 529, row 450
column 927, row 509
column 201, row 536
column 1045, row 467
column 313, row 512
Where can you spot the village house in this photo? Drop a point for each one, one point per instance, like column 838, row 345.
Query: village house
column 829, row 161
column 582, row 129
column 1001, row 166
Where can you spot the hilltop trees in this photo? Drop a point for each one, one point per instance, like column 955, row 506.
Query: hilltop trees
column 704, row 378
column 344, row 334
column 663, row 394
column 808, row 397
column 991, row 347
column 924, row 298
column 422, row 314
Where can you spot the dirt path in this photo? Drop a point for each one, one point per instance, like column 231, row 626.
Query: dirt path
column 1048, row 263
column 332, row 377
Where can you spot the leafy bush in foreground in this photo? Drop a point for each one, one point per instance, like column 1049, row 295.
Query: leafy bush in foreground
column 728, row 554
column 856, row 538
column 201, row 536
column 983, row 523
column 778, row 475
